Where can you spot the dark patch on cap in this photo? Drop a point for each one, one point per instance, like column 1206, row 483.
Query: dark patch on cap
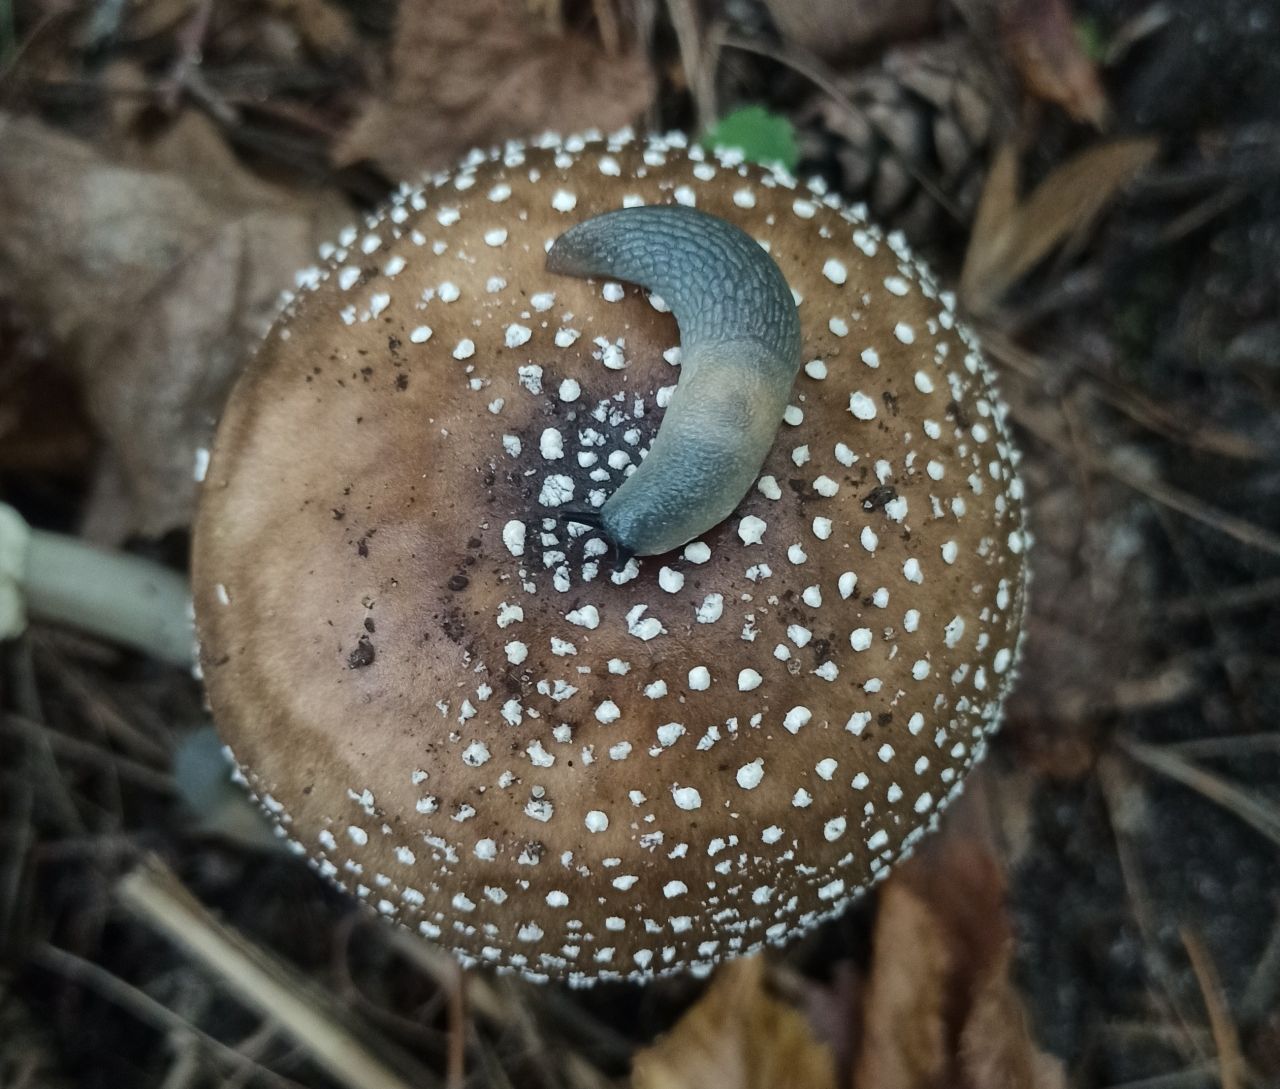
column 957, row 412
column 454, row 626
column 363, row 655
column 880, row 497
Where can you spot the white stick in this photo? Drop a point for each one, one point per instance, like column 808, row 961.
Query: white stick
column 114, row 595
column 155, row 895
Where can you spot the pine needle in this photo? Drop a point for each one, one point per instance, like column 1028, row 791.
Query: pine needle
column 154, row 894
column 1232, row 797
column 1011, row 236
column 1226, row 1038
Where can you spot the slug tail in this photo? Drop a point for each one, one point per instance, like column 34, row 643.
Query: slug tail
column 589, row 516
column 719, row 283
column 583, row 516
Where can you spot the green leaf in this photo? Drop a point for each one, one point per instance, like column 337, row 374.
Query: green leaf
column 761, row 136
column 1092, row 39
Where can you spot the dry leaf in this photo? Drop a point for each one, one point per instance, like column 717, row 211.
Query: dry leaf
column 995, row 1048
column 325, row 27
column 1041, row 40
column 473, row 73
column 904, row 1024
column 737, row 1036
column 940, row 1011
column 832, row 28
column 157, row 276
column 152, row 18
column 833, row 1009
column 1011, row 236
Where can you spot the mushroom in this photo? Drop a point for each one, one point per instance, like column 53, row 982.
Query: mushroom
column 114, row 595
column 456, row 707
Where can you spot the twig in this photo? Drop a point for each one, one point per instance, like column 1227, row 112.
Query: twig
column 9, row 64
column 1201, row 214
column 1234, row 745
column 552, row 12
column 58, row 799
column 1252, row 596
column 186, row 1060
column 1239, row 689
column 684, row 20
column 1084, row 480
column 21, row 800
column 435, row 962
column 1131, row 1034
column 190, row 42
column 1141, row 409
column 1173, row 765
column 146, row 1008
column 580, row 1074
column 524, row 1028
column 821, row 77
column 607, row 22
column 1114, row 782
column 85, row 751
column 1225, row 1036
column 1155, row 489
column 1198, row 1075
column 558, row 1009
column 491, row 1075
column 155, row 895
column 457, row 1066
column 1264, row 986
column 416, row 1025
column 1173, row 682
column 100, row 713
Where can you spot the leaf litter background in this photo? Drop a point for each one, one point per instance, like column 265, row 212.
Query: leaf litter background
column 1102, row 179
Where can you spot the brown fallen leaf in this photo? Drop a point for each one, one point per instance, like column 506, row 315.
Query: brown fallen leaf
column 904, row 1043
column 473, row 73
column 833, row 1008
column 737, row 1036
column 833, row 28
column 157, row 273
column 324, row 26
column 155, row 17
column 995, row 1048
column 1040, row 38
column 1012, row 235
column 940, row 1010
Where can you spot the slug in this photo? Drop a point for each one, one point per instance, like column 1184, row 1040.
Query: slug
column 740, row 351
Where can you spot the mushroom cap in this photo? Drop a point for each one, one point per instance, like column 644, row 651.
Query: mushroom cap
column 449, row 700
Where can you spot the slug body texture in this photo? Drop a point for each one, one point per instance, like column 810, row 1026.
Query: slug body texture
column 740, row 351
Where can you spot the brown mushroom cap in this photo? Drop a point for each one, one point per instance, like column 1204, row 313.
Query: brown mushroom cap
column 447, row 698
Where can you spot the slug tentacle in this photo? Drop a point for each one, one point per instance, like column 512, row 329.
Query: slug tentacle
column 740, row 351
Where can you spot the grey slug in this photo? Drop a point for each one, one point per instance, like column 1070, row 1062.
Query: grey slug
column 740, row 350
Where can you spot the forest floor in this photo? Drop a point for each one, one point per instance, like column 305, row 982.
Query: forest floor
column 1121, row 844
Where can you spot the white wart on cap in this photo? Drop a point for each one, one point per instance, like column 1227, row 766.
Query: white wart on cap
column 451, row 702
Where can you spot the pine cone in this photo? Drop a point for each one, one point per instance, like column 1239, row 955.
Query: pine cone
column 915, row 134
